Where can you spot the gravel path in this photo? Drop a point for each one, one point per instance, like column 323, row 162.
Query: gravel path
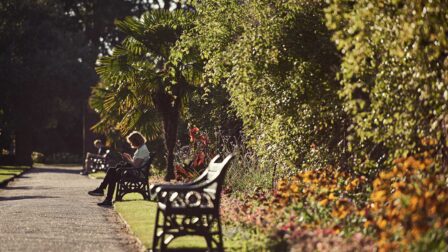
column 48, row 209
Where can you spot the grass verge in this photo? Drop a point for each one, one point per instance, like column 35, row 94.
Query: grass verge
column 97, row 175
column 140, row 216
column 9, row 172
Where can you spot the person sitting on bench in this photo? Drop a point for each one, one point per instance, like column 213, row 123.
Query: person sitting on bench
column 90, row 157
column 137, row 141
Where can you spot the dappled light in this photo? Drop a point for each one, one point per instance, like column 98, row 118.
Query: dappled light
column 224, row 125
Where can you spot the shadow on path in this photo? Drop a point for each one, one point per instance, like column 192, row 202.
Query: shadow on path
column 25, row 197
column 18, row 188
column 55, row 170
column 26, row 188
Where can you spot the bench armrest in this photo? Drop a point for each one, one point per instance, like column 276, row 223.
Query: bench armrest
column 183, row 195
column 187, row 197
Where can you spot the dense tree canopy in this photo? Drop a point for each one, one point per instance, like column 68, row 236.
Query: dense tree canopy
column 49, row 49
column 394, row 71
column 279, row 65
column 140, row 89
column 43, row 75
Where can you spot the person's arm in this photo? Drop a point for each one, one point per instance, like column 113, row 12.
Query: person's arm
column 134, row 162
column 137, row 162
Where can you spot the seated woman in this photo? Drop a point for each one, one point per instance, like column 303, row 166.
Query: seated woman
column 137, row 141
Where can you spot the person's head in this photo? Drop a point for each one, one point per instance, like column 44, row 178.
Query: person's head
column 98, row 143
column 136, row 139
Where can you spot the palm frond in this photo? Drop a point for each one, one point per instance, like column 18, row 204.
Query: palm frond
column 137, row 70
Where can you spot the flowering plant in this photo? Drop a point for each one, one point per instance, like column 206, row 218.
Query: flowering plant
column 408, row 202
column 191, row 159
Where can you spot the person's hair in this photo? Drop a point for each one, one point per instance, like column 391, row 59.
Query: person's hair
column 136, row 139
column 97, row 141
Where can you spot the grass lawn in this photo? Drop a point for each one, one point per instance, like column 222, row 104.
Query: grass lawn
column 97, row 175
column 7, row 172
column 140, row 215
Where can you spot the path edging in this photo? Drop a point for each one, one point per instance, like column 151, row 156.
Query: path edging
column 139, row 243
column 5, row 182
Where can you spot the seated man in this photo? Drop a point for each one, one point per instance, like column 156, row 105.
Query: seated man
column 137, row 141
column 91, row 158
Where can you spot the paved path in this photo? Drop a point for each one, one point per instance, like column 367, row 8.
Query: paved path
column 48, row 209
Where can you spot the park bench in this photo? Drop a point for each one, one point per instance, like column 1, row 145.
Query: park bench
column 191, row 209
column 98, row 163
column 134, row 180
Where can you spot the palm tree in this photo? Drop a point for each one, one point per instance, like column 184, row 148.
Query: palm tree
column 140, row 87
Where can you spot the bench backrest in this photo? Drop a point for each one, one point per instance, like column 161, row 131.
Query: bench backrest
column 215, row 175
column 146, row 166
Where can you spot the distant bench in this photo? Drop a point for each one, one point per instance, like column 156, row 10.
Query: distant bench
column 97, row 163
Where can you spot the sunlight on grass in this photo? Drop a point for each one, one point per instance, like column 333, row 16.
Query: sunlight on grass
column 7, row 172
column 97, row 175
column 140, row 215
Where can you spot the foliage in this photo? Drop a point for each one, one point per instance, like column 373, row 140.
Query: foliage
column 37, row 157
column 394, row 72
column 96, row 19
column 245, row 173
column 44, row 75
column 324, row 240
column 139, row 88
column 280, row 81
column 338, row 195
column 49, row 50
column 192, row 160
column 403, row 208
column 209, row 109
column 325, row 202
column 394, row 86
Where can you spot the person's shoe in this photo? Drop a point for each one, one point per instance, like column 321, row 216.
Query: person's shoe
column 83, row 173
column 105, row 203
column 96, row 192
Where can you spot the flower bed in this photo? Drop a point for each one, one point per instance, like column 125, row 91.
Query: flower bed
column 333, row 210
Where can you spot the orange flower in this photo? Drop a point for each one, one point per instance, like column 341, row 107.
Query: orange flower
column 381, row 223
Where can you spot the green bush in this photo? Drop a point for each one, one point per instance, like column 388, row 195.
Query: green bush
column 245, row 172
column 278, row 64
column 37, row 157
column 394, row 73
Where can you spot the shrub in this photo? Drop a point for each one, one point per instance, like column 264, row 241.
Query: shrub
column 281, row 83
column 37, row 157
column 192, row 160
column 245, row 173
column 394, row 73
column 326, row 240
column 329, row 200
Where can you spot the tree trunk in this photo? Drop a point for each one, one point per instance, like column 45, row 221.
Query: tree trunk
column 23, row 145
column 169, row 109
column 170, row 124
